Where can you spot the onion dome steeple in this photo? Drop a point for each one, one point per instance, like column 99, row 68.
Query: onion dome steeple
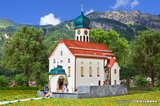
column 82, row 27
column 82, row 21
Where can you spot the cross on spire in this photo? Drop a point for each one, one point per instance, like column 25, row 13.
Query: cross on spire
column 81, row 7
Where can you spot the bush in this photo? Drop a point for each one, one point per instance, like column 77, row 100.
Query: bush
column 20, row 79
column 156, row 89
column 4, row 81
column 140, row 81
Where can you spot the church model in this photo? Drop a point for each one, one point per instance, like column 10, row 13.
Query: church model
column 80, row 62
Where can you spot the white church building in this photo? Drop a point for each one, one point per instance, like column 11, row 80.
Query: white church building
column 80, row 62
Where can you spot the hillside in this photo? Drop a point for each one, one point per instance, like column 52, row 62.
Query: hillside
column 6, row 22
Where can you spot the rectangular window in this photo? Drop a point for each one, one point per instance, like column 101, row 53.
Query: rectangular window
column 69, row 71
column 82, row 72
column 114, row 71
column 90, row 71
column 115, row 83
column 98, row 72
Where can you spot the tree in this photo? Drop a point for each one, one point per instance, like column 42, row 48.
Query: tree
column 119, row 46
column 25, row 51
column 145, row 53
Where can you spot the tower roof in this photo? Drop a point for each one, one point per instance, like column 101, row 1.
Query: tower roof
column 57, row 70
column 82, row 21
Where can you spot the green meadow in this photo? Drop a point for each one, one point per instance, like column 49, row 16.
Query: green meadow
column 133, row 98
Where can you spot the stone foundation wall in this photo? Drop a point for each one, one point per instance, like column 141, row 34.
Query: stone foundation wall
column 92, row 91
column 103, row 91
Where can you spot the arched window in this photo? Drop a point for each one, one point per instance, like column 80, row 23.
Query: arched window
column 77, row 38
column 54, row 61
column 98, row 72
column 68, row 60
column 114, row 71
column 84, row 38
column 87, row 39
column 80, row 38
column 61, row 53
column 69, row 71
column 82, row 72
column 90, row 71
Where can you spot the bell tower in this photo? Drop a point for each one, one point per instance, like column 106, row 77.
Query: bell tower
column 82, row 27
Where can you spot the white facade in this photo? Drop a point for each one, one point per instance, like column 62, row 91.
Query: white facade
column 93, row 69
column 62, row 56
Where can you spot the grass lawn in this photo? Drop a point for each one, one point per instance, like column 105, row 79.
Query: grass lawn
column 123, row 100
column 7, row 95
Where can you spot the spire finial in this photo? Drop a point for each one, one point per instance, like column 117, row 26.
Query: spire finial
column 81, row 7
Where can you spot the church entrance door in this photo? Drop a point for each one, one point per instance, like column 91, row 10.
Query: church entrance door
column 61, row 83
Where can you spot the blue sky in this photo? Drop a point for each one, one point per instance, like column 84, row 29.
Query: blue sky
column 42, row 12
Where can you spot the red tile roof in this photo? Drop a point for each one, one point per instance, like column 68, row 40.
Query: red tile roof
column 87, row 49
column 111, row 62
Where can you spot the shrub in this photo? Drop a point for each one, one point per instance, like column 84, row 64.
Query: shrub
column 140, row 81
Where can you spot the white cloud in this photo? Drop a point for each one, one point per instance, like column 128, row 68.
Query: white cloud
column 134, row 3
column 90, row 11
column 49, row 19
column 124, row 3
column 120, row 3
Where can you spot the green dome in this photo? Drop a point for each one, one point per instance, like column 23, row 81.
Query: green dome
column 57, row 70
column 82, row 21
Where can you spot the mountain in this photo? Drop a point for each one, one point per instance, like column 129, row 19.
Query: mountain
column 4, row 22
column 127, row 24
column 134, row 18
